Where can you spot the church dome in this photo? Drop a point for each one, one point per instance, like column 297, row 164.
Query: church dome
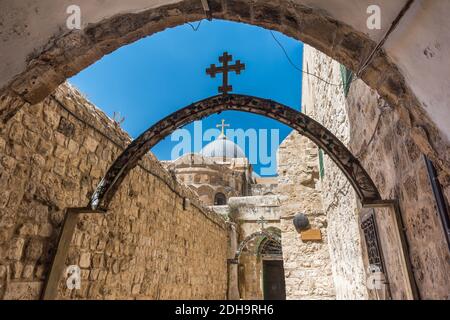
column 223, row 148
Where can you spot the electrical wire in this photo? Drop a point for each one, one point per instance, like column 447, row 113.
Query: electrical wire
column 306, row 72
column 193, row 27
column 196, row 28
column 296, row 67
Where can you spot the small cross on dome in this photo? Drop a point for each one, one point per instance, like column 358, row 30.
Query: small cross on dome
column 222, row 126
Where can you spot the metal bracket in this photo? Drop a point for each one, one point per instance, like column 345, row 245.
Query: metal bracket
column 207, row 10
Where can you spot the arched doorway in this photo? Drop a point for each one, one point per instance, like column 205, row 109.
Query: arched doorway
column 350, row 166
column 265, row 245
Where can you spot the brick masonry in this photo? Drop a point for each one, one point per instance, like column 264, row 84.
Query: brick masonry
column 52, row 156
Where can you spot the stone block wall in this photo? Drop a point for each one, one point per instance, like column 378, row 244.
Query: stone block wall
column 320, row 102
column 147, row 246
column 250, row 272
column 374, row 133
column 307, row 264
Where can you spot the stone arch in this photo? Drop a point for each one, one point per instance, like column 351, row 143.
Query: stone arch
column 351, row 167
column 69, row 53
column 268, row 244
column 226, row 191
column 261, row 236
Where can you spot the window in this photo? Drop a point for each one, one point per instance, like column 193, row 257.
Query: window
column 220, row 199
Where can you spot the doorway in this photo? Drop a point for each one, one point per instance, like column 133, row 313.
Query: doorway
column 273, row 280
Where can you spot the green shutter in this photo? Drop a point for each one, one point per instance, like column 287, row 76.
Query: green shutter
column 347, row 77
column 321, row 167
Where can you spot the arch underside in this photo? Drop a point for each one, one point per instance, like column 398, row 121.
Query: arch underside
column 68, row 53
column 323, row 138
column 270, row 248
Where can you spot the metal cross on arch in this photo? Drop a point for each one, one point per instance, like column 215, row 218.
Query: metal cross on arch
column 224, row 69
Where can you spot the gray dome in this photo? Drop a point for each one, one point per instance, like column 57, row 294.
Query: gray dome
column 222, row 147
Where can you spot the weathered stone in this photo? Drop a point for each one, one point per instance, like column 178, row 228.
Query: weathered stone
column 85, row 260
column 66, row 127
column 23, row 290
column 17, row 268
column 16, row 248
column 298, row 182
column 45, row 230
column 90, row 143
column 137, row 224
column 28, row 271
column 28, row 229
column 61, row 153
column 34, row 250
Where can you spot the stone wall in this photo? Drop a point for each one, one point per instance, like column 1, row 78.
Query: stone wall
column 52, row 156
column 374, row 133
column 307, row 264
column 261, row 189
column 320, row 102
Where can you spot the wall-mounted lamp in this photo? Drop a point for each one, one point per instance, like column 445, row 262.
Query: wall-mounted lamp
column 301, row 222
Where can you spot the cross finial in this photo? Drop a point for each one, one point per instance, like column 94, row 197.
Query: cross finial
column 262, row 221
column 222, row 126
column 224, row 69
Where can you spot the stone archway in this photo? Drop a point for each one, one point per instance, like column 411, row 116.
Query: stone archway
column 350, row 166
column 264, row 234
column 68, row 53
column 250, row 262
column 272, row 269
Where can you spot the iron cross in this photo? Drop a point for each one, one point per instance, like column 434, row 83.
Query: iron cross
column 262, row 221
column 225, row 68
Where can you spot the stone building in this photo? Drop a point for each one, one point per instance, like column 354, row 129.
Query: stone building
column 220, row 171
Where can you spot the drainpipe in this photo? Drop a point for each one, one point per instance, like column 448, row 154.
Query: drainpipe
column 440, row 199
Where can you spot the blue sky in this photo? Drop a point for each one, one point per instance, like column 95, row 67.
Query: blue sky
column 155, row 76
